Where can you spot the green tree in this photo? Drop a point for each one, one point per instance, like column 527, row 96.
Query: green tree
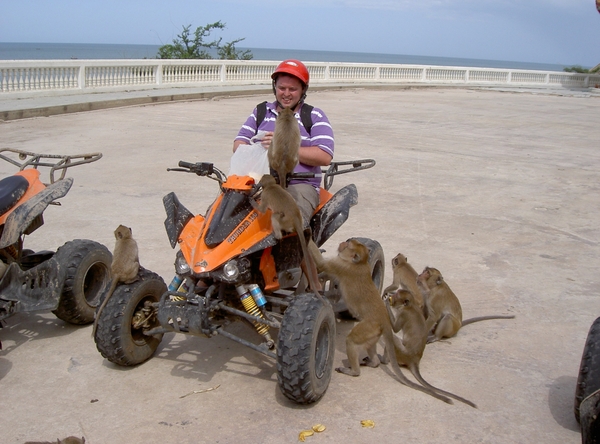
column 188, row 46
column 576, row 68
column 228, row 52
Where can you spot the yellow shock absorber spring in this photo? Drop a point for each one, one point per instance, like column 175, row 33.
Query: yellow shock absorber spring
column 252, row 308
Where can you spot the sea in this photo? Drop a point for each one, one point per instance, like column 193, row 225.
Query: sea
column 92, row 51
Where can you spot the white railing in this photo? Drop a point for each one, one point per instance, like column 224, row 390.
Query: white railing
column 77, row 76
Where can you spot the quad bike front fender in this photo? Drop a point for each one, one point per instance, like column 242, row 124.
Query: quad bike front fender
column 18, row 221
column 333, row 214
column 177, row 217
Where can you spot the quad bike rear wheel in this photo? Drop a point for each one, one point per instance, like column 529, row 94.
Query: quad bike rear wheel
column 306, row 349
column 120, row 332
column 376, row 260
column 87, row 265
column 587, row 391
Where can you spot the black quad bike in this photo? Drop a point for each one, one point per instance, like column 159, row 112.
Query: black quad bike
column 230, row 266
column 69, row 281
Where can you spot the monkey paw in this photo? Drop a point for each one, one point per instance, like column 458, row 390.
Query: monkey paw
column 370, row 362
column 347, row 371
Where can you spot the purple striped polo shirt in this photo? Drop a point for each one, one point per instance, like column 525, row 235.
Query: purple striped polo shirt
column 321, row 136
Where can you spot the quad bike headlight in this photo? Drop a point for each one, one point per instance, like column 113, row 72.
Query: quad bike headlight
column 181, row 266
column 231, row 270
column 236, row 270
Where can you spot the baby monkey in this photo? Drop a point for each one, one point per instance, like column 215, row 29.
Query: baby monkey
column 284, row 149
column 405, row 278
column 125, row 265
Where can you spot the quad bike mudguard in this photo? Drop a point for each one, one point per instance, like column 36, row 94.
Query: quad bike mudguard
column 333, row 213
column 20, row 218
column 31, row 290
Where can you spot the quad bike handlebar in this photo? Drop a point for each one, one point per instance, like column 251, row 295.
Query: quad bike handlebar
column 207, row 169
column 56, row 162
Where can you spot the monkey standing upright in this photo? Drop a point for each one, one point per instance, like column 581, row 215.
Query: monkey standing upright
column 286, row 216
column 125, row 265
column 445, row 312
column 284, row 148
column 409, row 349
column 351, row 268
column 405, row 277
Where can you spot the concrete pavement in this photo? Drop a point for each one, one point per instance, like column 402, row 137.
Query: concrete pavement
column 498, row 190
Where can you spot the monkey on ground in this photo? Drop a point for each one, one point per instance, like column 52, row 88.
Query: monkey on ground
column 445, row 312
column 352, row 270
column 410, row 322
column 405, row 278
column 286, row 216
column 125, row 265
column 284, row 149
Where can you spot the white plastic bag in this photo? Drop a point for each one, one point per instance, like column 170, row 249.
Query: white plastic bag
column 250, row 160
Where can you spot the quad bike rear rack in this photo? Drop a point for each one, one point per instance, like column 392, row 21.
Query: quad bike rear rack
column 56, row 162
column 334, row 169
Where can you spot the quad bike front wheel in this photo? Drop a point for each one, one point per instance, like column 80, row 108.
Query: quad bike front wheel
column 120, row 334
column 87, row 276
column 306, row 349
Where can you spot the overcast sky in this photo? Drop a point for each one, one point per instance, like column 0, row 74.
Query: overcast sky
column 565, row 32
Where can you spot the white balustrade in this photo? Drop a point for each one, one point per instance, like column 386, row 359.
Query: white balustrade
column 75, row 76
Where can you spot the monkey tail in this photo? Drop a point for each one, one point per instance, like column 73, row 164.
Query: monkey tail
column 111, row 290
column 389, row 347
column 414, row 369
column 486, row 318
column 309, row 264
column 282, row 179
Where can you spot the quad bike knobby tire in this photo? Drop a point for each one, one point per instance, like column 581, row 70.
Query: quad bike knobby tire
column 306, row 349
column 87, row 264
column 116, row 338
column 588, row 380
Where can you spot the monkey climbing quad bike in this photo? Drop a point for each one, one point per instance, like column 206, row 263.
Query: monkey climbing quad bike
column 230, row 266
column 69, row 281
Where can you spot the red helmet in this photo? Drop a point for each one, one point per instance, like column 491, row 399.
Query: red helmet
column 293, row 67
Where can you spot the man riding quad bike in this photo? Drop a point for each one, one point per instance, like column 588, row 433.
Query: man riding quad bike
column 69, row 281
column 230, row 266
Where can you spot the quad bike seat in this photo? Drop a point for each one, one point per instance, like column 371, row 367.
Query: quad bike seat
column 12, row 188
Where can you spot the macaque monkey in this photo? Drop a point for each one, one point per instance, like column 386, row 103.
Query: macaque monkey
column 283, row 151
column 125, row 265
column 352, row 270
column 409, row 320
column 405, row 278
column 445, row 312
column 286, row 216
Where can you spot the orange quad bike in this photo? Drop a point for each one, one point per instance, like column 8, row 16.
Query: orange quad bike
column 230, row 266
column 69, row 281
